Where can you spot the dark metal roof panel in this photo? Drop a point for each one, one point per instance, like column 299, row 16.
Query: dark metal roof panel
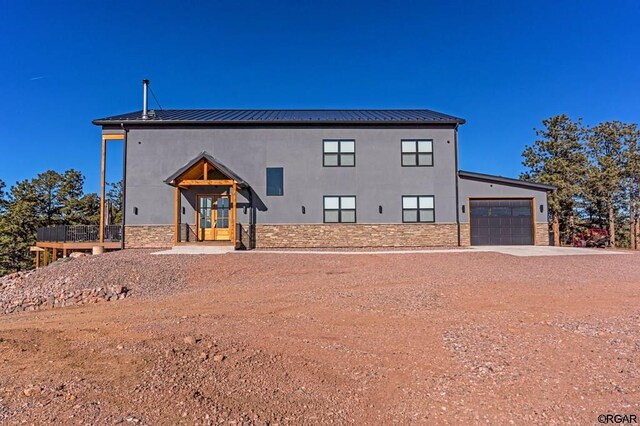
column 265, row 116
column 504, row 180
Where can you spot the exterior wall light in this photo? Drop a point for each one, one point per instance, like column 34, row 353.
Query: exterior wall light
column 244, row 209
column 463, row 209
column 135, row 211
column 304, row 210
column 541, row 208
column 380, row 209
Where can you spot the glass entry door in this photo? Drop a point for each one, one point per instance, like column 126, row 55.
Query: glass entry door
column 213, row 217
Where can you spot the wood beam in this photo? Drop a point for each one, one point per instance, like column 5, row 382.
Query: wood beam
column 176, row 216
column 195, row 182
column 102, row 185
column 119, row 136
column 234, row 199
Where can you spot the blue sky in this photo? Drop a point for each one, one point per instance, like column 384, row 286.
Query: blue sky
column 502, row 65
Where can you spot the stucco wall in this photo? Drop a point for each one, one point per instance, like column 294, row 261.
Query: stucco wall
column 153, row 154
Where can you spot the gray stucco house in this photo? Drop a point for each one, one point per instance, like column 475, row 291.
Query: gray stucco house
column 313, row 178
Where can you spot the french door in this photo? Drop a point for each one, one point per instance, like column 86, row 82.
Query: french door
column 212, row 217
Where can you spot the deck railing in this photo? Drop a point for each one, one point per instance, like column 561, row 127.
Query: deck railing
column 78, row 233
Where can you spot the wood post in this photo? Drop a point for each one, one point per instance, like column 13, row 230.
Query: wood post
column 37, row 259
column 234, row 199
column 46, row 256
column 55, row 254
column 102, row 185
column 176, row 216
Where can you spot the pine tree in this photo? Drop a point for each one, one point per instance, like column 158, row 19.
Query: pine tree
column 114, row 196
column 558, row 158
column 632, row 182
column 608, row 146
column 18, row 225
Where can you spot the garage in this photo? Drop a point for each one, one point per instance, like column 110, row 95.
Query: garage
column 501, row 221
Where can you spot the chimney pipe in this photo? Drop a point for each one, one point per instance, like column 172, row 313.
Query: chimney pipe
column 145, row 103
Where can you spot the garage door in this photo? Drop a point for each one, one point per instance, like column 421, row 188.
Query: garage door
column 501, row 222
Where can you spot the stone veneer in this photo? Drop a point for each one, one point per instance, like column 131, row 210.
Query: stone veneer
column 465, row 235
column 356, row 235
column 148, row 236
column 542, row 234
column 327, row 235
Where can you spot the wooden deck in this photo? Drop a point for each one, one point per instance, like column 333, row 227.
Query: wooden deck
column 49, row 251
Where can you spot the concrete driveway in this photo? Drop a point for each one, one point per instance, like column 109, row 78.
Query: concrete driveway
column 529, row 251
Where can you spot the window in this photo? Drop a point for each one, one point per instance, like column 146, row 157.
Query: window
column 339, row 153
column 339, row 209
column 418, row 208
column 417, row 153
column 275, row 181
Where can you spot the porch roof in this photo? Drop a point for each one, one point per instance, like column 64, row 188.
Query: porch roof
column 171, row 180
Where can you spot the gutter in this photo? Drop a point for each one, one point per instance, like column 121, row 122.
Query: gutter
column 101, row 122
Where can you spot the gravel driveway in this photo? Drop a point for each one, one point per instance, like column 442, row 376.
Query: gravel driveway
column 442, row 338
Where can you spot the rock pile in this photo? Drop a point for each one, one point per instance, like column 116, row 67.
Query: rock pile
column 64, row 298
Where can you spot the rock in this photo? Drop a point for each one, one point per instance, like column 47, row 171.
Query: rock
column 219, row 358
column 31, row 391
column 190, row 340
column 204, row 356
column 120, row 347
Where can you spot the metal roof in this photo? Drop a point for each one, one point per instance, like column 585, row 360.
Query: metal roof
column 283, row 116
column 504, row 180
column 221, row 167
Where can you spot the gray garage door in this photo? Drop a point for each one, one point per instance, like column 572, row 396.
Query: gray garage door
column 501, row 222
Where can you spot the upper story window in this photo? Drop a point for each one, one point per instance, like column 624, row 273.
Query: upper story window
column 339, row 153
column 275, row 181
column 340, row 209
column 418, row 208
column 417, row 153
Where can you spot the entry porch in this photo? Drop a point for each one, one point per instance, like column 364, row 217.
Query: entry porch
column 212, row 188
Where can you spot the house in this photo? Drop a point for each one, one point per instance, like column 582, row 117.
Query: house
column 312, row 178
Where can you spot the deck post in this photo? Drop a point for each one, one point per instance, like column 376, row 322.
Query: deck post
column 102, row 185
column 55, row 254
column 46, row 256
column 176, row 216
column 37, row 259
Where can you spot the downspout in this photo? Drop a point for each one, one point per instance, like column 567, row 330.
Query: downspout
column 124, row 184
column 455, row 147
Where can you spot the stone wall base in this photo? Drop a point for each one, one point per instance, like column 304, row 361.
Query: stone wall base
column 324, row 235
column 356, row 235
column 148, row 236
column 542, row 234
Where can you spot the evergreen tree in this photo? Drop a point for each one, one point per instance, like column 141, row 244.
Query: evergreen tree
column 608, row 147
column 18, row 225
column 114, row 197
column 558, row 158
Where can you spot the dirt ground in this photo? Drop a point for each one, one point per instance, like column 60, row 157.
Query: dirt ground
column 263, row 338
